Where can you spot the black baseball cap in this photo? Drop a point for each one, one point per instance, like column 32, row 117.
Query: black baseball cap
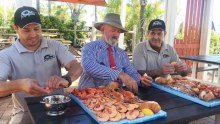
column 157, row 24
column 26, row 15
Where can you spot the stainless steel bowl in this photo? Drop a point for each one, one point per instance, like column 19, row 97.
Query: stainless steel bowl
column 55, row 104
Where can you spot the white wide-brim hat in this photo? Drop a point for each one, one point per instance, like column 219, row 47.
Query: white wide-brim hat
column 113, row 20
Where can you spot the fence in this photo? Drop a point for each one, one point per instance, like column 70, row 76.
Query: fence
column 190, row 45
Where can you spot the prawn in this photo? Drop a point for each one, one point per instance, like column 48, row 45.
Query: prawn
column 102, row 116
column 132, row 106
column 132, row 114
column 111, row 111
column 141, row 114
column 116, row 118
column 98, row 107
column 120, row 108
column 122, row 115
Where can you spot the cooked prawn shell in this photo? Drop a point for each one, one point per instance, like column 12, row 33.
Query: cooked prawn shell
column 87, row 102
column 101, row 116
column 121, row 107
column 117, row 117
column 132, row 106
column 123, row 115
column 110, row 110
column 98, row 107
column 132, row 114
column 126, row 94
column 141, row 114
column 118, row 96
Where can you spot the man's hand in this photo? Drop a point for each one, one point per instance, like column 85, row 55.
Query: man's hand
column 55, row 82
column 74, row 69
column 129, row 82
column 167, row 69
column 32, row 87
column 180, row 67
column 146, row 80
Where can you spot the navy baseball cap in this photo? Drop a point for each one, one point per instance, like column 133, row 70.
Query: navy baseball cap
column 26, row 15
column 157, row 24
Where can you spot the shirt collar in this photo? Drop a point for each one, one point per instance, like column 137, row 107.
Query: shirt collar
column 105, row 45
column 22, row 49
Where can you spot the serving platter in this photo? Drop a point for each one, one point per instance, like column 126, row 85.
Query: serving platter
column 178, row 92
column 145, row 118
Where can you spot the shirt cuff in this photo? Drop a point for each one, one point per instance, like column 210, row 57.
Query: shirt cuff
column 114, row 74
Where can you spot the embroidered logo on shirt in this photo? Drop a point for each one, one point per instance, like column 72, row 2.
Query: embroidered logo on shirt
column 165, row 56
column 48, row 57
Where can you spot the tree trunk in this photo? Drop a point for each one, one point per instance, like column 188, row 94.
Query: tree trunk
column 143, row 4
column 49, row 8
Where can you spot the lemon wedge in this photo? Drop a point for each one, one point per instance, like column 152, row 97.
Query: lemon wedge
column 147, row 111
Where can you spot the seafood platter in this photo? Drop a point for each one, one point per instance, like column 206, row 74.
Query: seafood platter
column 196, row 91
column 109, row 106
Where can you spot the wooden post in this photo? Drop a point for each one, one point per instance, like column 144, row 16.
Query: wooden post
column 170, row 19
column 93, row 37
column 134, row 35
column 122, row 16
column 74, row 42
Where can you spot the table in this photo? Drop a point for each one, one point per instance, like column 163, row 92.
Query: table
column 3, row 42
column 49, row 35
column 67, row 43
column 11, row 36
column 209, row 59
column 15, row 35
column 179, row 110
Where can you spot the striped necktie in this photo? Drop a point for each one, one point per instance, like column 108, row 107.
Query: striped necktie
column 111, row 58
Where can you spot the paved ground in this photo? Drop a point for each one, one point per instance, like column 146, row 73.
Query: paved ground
column 6, row 104
column 5, row 109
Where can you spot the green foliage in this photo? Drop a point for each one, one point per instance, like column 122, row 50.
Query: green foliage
column 214, row 43
column 51, row 22
column 1, row 15
column 66, row 28
column 10, row 20
column 60, row 19
column 153, row 11
column 70, row 34
column 114, row 6
column 10, row 14
column 180, row 35
column 132, row 19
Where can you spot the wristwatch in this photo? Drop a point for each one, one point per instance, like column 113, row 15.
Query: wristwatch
column 68, row 78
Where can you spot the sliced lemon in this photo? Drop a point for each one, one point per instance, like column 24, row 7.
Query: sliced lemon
column 147, row 111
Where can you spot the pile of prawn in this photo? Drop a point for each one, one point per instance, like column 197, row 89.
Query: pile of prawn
column 111, row 105
column 201, row 90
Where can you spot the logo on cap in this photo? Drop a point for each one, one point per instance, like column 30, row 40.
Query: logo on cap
column 26, row 13
column 156, row 23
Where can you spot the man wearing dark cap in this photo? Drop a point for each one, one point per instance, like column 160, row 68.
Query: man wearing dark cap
column 103, row 62
column 154, row 57
column 32, row 65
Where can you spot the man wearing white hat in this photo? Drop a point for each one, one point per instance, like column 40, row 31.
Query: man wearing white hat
column 103, row 62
